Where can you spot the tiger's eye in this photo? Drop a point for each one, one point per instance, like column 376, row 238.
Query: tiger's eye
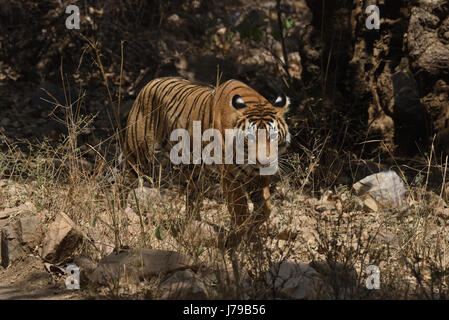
column 280, row 101
column 237, row 102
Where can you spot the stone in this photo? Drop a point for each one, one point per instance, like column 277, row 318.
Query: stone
column 61, row 240
column 370, row 204
column 21, row 235
column 30, row 229
column 139, row 264
column 385, row 188
column 294, row 280
column 10, row 246
column 183, row 285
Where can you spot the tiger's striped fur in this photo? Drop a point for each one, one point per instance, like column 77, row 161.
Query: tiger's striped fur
column 165, row 104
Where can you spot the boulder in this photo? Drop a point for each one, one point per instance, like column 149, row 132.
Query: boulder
column 61, row 240
column 292, row 279
column 10, row 247
column 30, row 230
column 20, row 235
column 139, row 264
column 381, row 190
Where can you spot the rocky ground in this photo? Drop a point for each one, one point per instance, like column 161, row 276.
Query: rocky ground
column 311, row 247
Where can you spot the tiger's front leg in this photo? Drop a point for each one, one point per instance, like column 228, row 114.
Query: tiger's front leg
column 238, row 208
column 259, row 193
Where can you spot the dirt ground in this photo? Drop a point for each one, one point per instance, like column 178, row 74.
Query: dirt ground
column 28, row 279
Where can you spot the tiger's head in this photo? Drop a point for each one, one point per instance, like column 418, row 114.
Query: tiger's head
column 260, row 123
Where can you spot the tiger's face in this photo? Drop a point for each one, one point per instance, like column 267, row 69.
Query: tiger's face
column 261, row 123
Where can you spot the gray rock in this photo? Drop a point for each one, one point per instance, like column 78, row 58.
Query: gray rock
column 10, row 246
column 139, row 264
column 292, row 279
column 30, row 229
column 21, row 234
column 386, row 188
column 61, row 240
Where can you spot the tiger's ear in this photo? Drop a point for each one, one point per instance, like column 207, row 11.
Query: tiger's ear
column 237, row 102
column 282, row 101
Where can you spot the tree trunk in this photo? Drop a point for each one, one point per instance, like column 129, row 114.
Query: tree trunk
column 397, row 74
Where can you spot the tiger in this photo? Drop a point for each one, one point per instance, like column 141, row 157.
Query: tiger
column 169, row 103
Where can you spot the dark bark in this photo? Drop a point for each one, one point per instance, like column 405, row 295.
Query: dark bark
column 396, row 74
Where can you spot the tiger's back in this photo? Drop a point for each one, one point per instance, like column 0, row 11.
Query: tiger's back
column 163, row 105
